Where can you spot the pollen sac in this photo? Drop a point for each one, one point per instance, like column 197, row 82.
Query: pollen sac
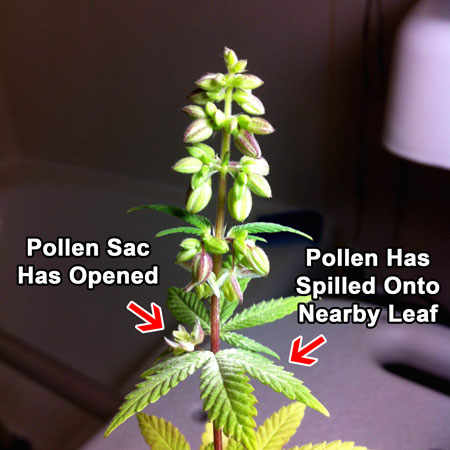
column 198, row 96
column 231, row 289
column 254, row 166
column 194, row 111
column 187, row 165
column 258, row 125
column 216, row 246
column 229, row 57
column 190, row 243
column 240, row 206
column 247, row 144
column 239, row 66
column 259, row 186
column 198, row 130
column 198, row 199
column 258, row 261
column 247, row 81
column 185, row 255
column 201, row 267
column 202, row 151
column 210, row 81
column 248, row 102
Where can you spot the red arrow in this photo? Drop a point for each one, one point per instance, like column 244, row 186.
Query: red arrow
column 298, row 355
column 154, row 322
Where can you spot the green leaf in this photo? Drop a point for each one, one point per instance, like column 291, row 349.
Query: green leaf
column 161, row 435
column 186, row 307
column 165, row 375
column 263, row 369
column 246, row 343
column 228, row 398
column 264, row 312
column 227, row 308
column 194, row 219
column 234, row 445
column 257, row 238
column 188, row 230
column 336, row 445
column 268, row 227
column 280, row 427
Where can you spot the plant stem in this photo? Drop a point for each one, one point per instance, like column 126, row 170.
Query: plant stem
column 220, row 218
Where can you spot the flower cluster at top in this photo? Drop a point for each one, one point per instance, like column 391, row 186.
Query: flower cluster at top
column 250, row 171
column 246, row 259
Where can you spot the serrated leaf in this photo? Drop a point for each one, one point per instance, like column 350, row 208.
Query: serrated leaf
column 268, row 227
column 160, row 434
column 186, row 307
column 265, row 371
column 234, row 445
column 194, row 219
column 208, row 438
column 280, row 427
column 165, row 375
column 227, row 308
column 246, row 343
column 188, row 230
column 228, row 398
column 264, row 312
column 336, row 445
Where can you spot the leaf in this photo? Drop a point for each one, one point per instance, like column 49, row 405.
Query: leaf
column 335, row 445
column 161, row 435
column 227, row 308
column 246, row 343
column 257, row 238
column 268, row 227
column 263, row 369
column 208, row 438
column 228, row 398
column 165, row 375
column 234, row 445
column 264, row 312
column 188, row 230
column 194, row 219
column 186, row 307
column 280, row 427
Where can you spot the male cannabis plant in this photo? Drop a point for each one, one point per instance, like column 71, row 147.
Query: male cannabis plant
column 221, row 263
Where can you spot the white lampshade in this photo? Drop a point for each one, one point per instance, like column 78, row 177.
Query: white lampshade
column 418, row 110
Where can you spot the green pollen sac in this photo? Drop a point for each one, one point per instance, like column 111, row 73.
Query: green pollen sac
column 258, row 261
column 199, row 198
column 239, row 207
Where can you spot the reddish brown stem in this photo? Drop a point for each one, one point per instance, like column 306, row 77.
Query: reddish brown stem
column 220, row 219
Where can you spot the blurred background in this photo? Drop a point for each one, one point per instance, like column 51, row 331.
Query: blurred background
column 90, row 93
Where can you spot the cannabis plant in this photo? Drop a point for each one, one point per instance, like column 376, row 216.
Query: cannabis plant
column 221, row 261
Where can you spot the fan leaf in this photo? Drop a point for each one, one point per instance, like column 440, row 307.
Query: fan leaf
column 265, row 371
column 189, row 230
column 165, row 375
column 268, row 227
column 186, row 307
column 280, row 427
column 264, row 312
column 160, row 434
column 228, row 399
column 194, row 219
column 246, row 343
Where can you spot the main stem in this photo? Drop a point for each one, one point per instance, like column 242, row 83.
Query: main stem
column 220, row 218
